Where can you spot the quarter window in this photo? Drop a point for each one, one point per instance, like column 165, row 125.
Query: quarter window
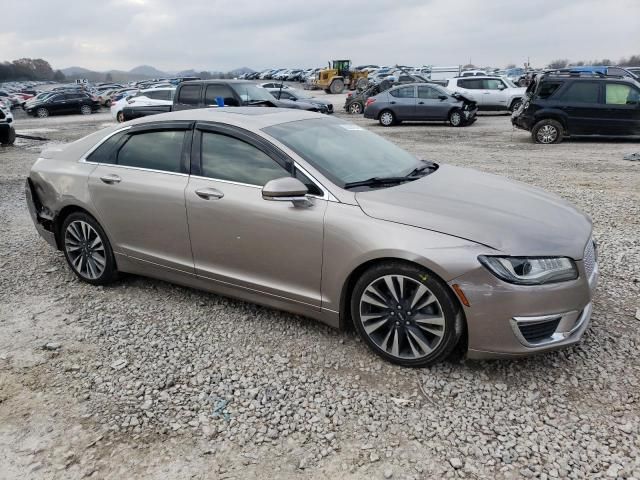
column 582, row 92
column 547, row 89
column 404, row 92
column 189, row 95
column 153, row 150
column 228, row 158
column 105, row 152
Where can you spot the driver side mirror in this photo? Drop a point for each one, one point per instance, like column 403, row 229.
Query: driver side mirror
column 286, row 189
column 442, row 97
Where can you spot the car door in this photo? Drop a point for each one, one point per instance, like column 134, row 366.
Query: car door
column 403, row 102
column 430, row 106
column 621, row 113
column 581, row 101
column 57, row 104
column 138, row 190
column 494, row 94
column 239, row 238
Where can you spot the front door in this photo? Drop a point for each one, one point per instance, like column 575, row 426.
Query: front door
column 494, row 94
column 621, row 112
column 430, row 106
column 241, row 239
column 138, row 191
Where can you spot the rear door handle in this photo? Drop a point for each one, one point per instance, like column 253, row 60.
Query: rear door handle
column 209, row 193
column 110, row 179
column 392, row 103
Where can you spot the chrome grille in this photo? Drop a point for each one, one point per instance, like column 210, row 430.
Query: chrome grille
column 589, row 258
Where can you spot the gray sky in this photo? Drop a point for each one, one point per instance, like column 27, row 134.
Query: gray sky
column 226, row 34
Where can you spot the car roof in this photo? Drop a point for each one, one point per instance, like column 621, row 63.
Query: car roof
column 220, row 80
column 246, row 117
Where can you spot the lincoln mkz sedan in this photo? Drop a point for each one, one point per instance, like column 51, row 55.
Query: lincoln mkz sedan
column 319, row 217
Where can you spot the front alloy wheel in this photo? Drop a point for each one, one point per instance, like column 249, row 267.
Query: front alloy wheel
column 455, row 118
column 405, row 315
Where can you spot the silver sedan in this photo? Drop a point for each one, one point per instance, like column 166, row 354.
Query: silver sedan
column 320, row 217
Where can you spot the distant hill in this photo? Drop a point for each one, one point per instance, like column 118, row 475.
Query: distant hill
column 148, row 70
column 141, row 72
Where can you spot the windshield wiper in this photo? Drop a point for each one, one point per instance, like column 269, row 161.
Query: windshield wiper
column 379, row 181
column 425, row 165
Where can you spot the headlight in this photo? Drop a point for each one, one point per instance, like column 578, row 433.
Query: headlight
column 531, row 270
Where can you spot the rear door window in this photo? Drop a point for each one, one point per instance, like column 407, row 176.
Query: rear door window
column 471, row 84
column 404, row 92
column 153, row 150
column 492, row 84
column 582, row 92
column 189, row 95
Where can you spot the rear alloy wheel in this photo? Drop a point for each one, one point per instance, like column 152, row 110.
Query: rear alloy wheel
column 456, row 118
column 547, row 131
column 337, row 86
column 356, row 108
column 120, row 117
column 85, row 110
column 42, row 112
column 387, row 118
column 405, row 315
column 87, row 249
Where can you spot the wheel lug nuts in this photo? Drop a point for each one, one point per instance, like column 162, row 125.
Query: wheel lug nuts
column 399, row 307
column 407, row 323
column 397, row 323
column 393, row 313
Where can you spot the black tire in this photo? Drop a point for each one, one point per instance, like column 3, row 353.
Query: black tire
column 356, row 108
column 547, row 131
column 337, row 86
column 451, row 329
column 107, row 103
column 10, row 138
column 456, row 118
column 326, row 90
column 515, row 105
column 387, row 118
column 120, row 116
column 109, row 272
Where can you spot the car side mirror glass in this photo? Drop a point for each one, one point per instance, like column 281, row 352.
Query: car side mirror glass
column 442, row 97
column 286, row 189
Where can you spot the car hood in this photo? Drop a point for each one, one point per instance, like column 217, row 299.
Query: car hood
column 506, row 215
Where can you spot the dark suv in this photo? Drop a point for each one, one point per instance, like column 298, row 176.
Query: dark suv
column 559, row 105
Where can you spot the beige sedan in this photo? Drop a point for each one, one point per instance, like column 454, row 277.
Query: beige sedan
column 317, row 216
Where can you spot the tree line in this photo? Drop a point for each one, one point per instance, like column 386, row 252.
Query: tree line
column 632, row 61
column 29, row 69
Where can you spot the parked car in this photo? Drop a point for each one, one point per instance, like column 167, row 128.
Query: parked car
column 63, row 103
column 324, row 106
column 490, row 93
column 234, row 93
column 143, row 103
column 37, row 98
column 7, row 130
column 561, row 105
column 342, row 226
column 420, row 101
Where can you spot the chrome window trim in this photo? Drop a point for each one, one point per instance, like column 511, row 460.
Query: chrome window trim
column 141, row 169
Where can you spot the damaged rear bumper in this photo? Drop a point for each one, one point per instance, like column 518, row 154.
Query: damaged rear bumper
column 43, row 225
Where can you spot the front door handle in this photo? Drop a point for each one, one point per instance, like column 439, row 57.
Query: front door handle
column 110, row 179
column 392, row 103
column 209, row 193
column 420, row 103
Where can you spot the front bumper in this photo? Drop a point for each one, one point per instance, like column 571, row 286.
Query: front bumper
column 508, row 321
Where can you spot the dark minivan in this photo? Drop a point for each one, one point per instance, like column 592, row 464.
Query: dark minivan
column 577, row 104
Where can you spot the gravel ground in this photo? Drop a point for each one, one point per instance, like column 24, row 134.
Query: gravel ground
column 144, row 379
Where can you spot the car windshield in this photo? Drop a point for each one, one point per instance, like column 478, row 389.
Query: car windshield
column 249, row 93
column 342, row 151
column 509, row 82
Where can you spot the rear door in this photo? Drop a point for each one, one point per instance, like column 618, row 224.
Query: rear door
column 583, row 105
column 138, row 189
column 622, row 109
column 430, row 106
column 403, row 102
